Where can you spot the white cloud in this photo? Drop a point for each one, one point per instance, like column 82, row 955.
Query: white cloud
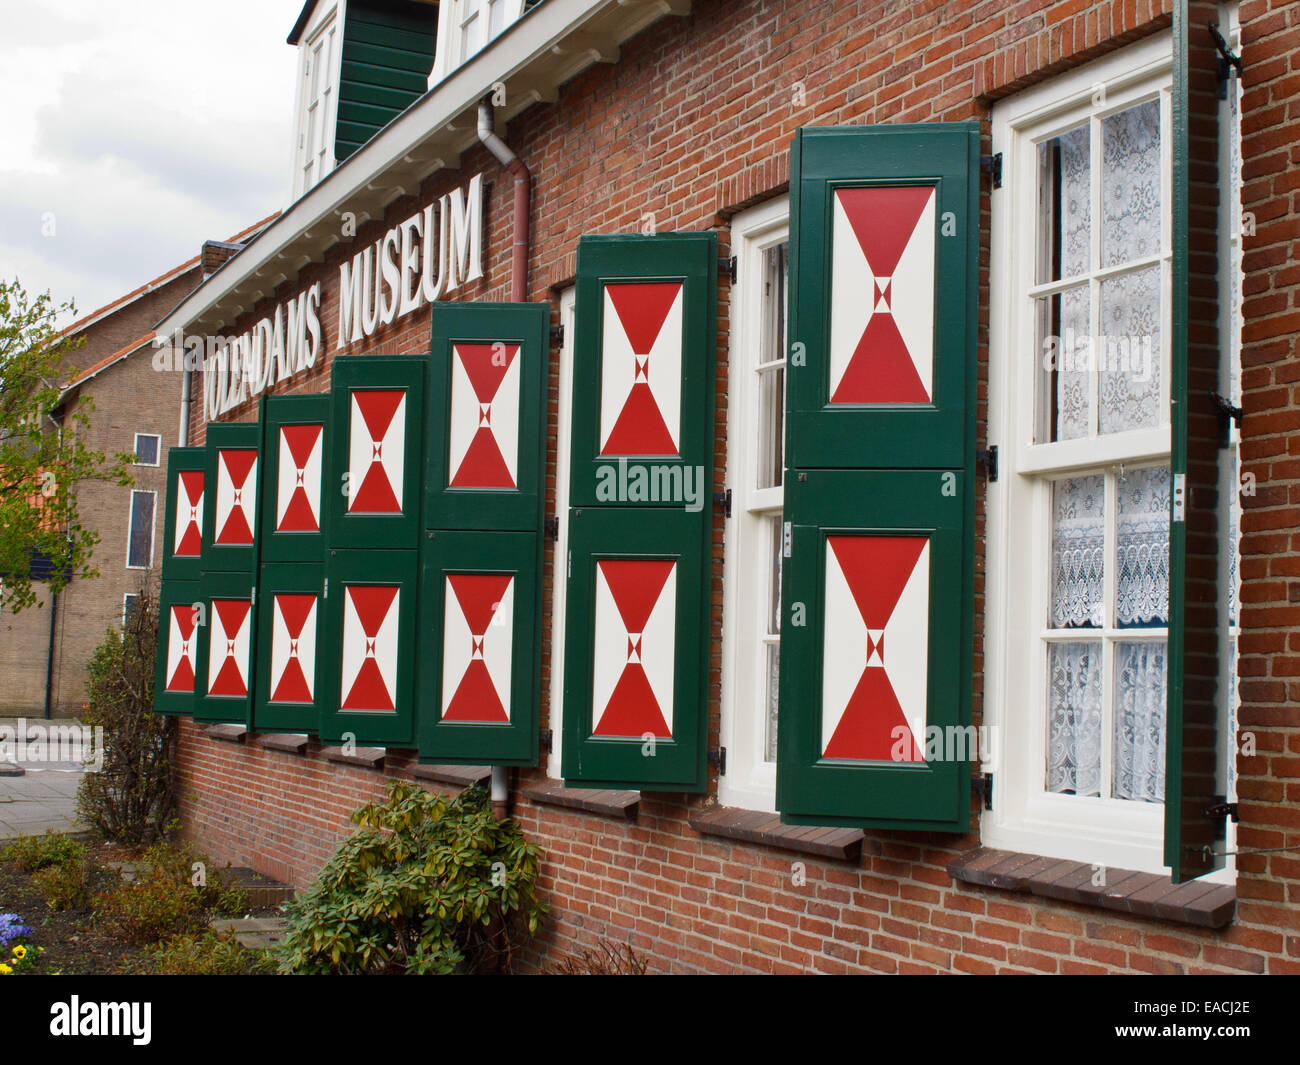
column 140, row 128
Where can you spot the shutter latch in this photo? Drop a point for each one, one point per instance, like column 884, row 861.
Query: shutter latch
column 557, row 334
column 723, row 500
column 787, row 539
column 1229, row 62
column 992, row 165
column 989, row 460
column 1220, row 810
column 983, row 785
column 718, row 757
column 727, row 268
column 552, row 527
column 546, row 740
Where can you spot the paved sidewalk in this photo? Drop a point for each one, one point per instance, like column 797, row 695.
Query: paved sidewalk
column 43, row 797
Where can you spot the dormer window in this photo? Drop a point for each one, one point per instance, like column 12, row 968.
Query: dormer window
column 466, row 27
column 361, row 63
column 318, row 78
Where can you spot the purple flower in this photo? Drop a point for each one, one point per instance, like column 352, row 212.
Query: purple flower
column 12, row 929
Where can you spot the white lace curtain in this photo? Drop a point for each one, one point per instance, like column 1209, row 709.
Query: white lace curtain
column 1075, row 675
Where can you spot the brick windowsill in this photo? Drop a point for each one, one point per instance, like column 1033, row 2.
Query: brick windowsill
column 460, row 776
column 605, row 802
column 749, row 826
column 1125, row 891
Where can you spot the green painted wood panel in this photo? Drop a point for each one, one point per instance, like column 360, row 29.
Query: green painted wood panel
column 179, row 611
column 230, row 484
column 479, row 638
column 295, row 451
column 185, row 566
column 290, row 658
column 227, row 649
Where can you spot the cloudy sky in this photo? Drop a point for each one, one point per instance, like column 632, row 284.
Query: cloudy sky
column 135, row 130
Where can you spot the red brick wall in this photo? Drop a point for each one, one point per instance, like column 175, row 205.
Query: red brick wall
column 693, row 123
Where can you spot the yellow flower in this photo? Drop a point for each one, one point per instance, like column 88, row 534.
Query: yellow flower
column 20, row 952
column 4, row 969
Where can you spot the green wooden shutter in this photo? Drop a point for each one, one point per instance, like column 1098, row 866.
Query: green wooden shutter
column 373, row 495
column 369, row 645
column 877, row 592
column 179, row 611
column 480, row 605
column 227, row 649
column 636, row 637
column 290, row 662
column 183, row 519
column 1198, row 740
column 230, row 483
column 486, row 412
column 295, row 441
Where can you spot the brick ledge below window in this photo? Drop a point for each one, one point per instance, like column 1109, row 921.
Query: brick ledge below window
column 606, row 802
column 1206, row 905
column 750, row 826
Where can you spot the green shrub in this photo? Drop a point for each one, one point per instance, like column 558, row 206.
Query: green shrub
column 208, row 954
column 168, row 896
column 65, row 886
column 150, row 908
column 427, row 885
column 131, row 799
column 185, row 864
column 39, row 852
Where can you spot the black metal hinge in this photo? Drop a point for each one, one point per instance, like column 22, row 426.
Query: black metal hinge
column 552, row 528
column 983, row 786
column 992, row 165
column 718, row 757
column 727, row 269
column 1229, row 62
column 723, row 500
column 557, row 334
column 546, row 740
column 989, row 460
column 1221, row 810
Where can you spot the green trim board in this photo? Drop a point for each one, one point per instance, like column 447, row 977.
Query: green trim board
column 182, row 552
column 290, row 665
column 485, row 426
column 295, row 444
column 876, row 646
column 179, row 611
column 479, row 670
column 369, row 642
column 227, row 652
column 636, row 648
column 884, row 224
column 373, row 490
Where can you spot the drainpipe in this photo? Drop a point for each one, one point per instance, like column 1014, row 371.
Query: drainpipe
column 49, row 658
column 186, row 392
column 523, row 194
column 518, row 294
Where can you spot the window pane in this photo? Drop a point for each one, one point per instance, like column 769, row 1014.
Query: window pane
column 1129, row 355
column 146, row 450
column 1074, row 718
column 1065, row 205
column 773, row 686
column 130, row 602
column 1130, row 184
column 141, row 532
column 776, row 553
column 1140, row 721
column 1078, row 552
column 772, row 341
column 1142, row 548
column 1066, row 363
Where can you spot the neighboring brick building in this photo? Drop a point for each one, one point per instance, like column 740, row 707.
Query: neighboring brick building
column 1073, row 628
column 134, row 405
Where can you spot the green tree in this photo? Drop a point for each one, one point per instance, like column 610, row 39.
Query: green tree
column 42, row 459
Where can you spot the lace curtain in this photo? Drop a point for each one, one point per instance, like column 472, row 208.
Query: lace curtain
column 1074, row 734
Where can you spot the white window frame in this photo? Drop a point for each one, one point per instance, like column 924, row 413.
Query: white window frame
column 153, row 526
column 153, row 436
column 126, row 603
column 326, row 19
column 1106, row 832
column 750, row 780
column 560, row 557
column 453, row 15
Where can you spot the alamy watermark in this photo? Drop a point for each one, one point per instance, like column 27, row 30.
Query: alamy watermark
column 637, row 482
column 40, row 742
column 1084, row 353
